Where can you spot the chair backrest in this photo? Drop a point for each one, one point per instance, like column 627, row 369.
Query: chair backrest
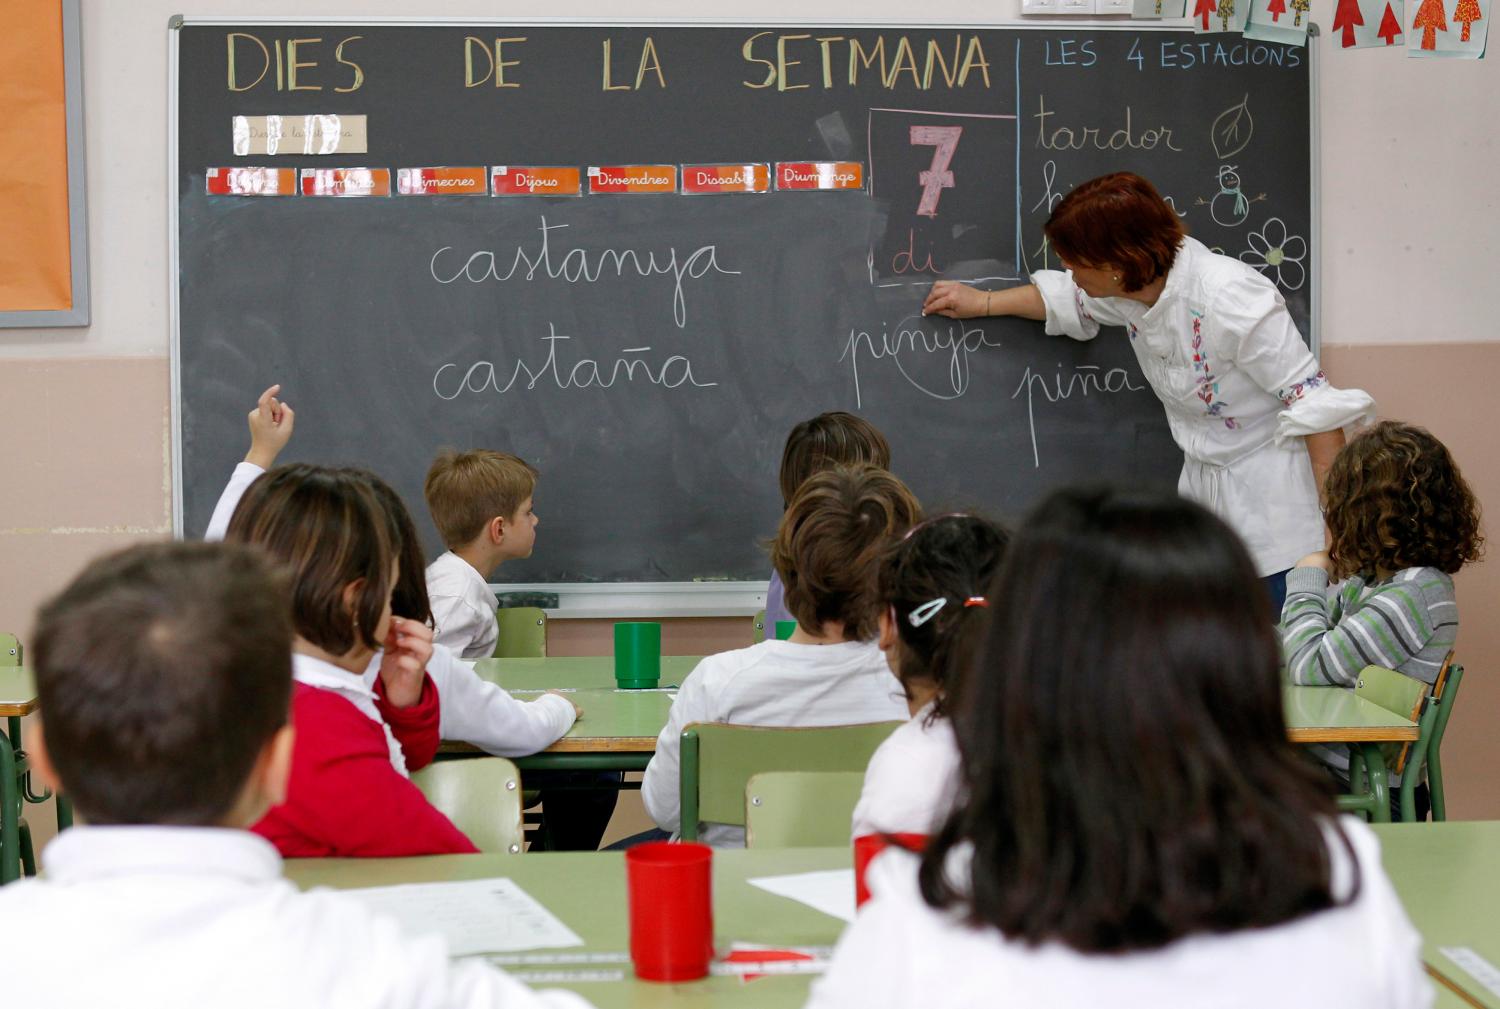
column 1399, row 694
column 758, row 627
column 10, row 650
column 482, row 796
column 801, row 809
column 1444, row 695
column 719, row 759
column 523, row 633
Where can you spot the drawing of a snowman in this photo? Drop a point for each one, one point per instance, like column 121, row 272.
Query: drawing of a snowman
column 1229, row 207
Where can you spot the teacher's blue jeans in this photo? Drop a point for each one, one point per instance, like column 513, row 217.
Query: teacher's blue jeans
column 1276, row 588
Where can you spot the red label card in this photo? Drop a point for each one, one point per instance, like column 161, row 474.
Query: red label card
column 726, row 178
column 535, row 180
column 346, row 182
column 440, row 182
column 252, row 181
column 820, row 175
column 633, row 179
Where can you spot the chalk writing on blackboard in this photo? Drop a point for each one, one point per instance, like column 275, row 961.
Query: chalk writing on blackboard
column 578, row 265
column 1085, row 379
column 954, row 340
column 452, row 380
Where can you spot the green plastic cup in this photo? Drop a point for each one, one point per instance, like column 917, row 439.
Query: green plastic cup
column 785, row 629
column 637, row 655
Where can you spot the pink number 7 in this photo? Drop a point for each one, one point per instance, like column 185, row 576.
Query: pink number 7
column 937, row 178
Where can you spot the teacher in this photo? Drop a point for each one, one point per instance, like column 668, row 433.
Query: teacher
column 1256, row 419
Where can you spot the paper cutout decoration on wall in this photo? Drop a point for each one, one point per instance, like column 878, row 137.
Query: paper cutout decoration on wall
column 1364, row 24
column 1153, row 10
column 1346, row 18
column 1221, row 15
column 1452, row 29
column 1270, row 22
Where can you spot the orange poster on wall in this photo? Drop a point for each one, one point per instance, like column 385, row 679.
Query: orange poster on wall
column 34, row 253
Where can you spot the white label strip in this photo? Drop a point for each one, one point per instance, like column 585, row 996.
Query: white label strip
column 1480, row 969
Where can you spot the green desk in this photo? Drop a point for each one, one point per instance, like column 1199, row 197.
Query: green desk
column 587, row 891
column 618, row 729
column 1337, row 715
column 574, row 672
column 1448, row 877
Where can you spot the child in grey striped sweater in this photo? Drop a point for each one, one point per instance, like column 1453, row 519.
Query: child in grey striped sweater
column 1401, row 521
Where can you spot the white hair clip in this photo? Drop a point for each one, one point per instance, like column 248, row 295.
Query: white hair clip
column 925, row 612
column 928, row 610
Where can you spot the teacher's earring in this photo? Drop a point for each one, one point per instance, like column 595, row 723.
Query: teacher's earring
column 1117, row 278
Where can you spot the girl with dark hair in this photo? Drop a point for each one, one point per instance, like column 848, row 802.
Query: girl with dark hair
column 1401, row 523
column 933, row 587
column 1255, row 416
column 1136, row 827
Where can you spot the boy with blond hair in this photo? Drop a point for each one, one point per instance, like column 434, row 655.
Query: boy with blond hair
column 480, row 501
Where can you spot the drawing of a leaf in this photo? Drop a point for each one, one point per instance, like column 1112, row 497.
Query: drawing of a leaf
column 1232, row 129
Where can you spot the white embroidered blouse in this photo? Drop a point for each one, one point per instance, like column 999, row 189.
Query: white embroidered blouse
column 1240, row 389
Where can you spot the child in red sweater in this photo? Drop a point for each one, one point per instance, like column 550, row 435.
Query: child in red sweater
column 349, row 794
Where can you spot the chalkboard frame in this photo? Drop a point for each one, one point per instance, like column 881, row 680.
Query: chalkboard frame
column 666, row 599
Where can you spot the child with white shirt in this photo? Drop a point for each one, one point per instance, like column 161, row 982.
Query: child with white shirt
column 481, row 504
column 933, row 590
column 349, row 794
column 165, row 672
column 1135, row 827
column 831, row 671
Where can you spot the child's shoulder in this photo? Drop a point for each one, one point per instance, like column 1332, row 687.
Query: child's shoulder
column 326, row 719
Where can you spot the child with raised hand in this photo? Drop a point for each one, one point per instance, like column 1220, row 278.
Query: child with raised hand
column 1401, row 522
column 835, row 438
column 831, row 671
column 933, row 592
column 1134, row 820
column 349, row 793
column 481, row 503
column 165, row 671
column 471, row 710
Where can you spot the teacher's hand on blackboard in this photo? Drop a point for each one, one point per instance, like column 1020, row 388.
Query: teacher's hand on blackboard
column 955, row 300
column 271, row 425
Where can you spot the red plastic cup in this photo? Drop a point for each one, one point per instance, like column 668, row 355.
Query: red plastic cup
column 669, row 887
column 867, row 846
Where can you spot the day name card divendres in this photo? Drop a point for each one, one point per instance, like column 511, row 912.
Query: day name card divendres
column 751, row 178
column 346, row 182
column 441, row 181
column 820, row 175
column 249, row 181
column 316, row 134
column 632, row 178
column 535, row 180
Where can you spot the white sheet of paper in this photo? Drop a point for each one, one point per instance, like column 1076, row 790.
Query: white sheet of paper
column 831, row 891
column 475, row 916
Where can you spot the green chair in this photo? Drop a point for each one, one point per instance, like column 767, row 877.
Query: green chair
column 1414, row 700
column 718, row 760
column 10, row 650
column 523, row 633
column 482, row 797
column 1444, row 696
column 758, row 627
column 801, row 809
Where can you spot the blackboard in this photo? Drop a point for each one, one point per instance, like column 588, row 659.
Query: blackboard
column 648, row 353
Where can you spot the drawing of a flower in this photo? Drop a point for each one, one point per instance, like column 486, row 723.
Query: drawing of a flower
column 1277, row 254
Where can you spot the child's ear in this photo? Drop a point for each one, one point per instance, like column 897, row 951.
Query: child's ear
column 351, row 597
column 38, row 757
column 497, row 530
column 887, row 620
column 274, row 766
